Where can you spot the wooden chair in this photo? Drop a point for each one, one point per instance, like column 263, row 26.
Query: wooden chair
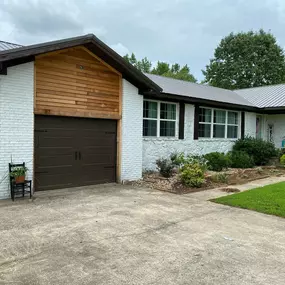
column 19, row 188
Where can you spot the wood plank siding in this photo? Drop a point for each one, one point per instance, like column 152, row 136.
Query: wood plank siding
column 74, row 82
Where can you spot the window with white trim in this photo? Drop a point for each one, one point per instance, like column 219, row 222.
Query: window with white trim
column 216, row 123
column 159, row 119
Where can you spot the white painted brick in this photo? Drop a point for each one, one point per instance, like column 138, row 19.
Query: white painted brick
column 132, row 110
column 16, row 121
column 278, row 122
column 250, row 124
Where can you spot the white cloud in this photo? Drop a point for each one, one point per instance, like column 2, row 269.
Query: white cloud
column 120, row 49
column 182, row 31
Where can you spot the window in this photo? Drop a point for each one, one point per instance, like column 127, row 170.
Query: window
column 159, row 119
column 214, row 123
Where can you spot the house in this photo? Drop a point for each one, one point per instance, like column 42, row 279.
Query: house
column 78, row 114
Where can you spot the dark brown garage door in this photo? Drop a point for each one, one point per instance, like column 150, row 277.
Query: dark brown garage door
column 73, row 152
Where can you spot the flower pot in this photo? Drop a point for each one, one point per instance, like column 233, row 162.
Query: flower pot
column 20, row 179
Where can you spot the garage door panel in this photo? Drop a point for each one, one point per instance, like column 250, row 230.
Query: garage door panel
column 56, row 161
column 97, row 175
column 98, row 139
column 74, row 151
column 98, row 158
column 52, row 151
column 54, row 181
column 55, row 142
column 88, row 124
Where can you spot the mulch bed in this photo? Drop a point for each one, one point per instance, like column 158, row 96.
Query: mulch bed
column 234, row 177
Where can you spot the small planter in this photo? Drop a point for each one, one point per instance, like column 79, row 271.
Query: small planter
column 18, row 173
column 20, row 179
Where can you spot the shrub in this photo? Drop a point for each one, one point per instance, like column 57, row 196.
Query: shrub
column 192, row 175
column 261, row 151
column 282, row 160
column 179, row 159
column 220, row 177
column 164, row 166
column 240, row 159
column 198, row 159
column 217, row 161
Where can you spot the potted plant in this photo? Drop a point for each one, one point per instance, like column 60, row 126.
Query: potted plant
column 19, row 174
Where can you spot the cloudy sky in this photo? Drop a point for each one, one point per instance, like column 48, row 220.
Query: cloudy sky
column 183, row 31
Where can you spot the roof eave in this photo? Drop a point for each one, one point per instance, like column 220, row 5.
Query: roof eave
column 273, row 110
column 200, row 101
column 24, row 54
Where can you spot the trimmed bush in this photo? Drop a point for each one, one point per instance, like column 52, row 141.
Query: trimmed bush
column 261, row 151
column 240, row 159
column 177, row 159
column 165, row 167
column 217, row 161
column 282, row 160
column 198, row 159
column 180, row 159
column 220, row 178
column 192, row 175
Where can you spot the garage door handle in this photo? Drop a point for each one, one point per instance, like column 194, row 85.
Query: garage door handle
column 76, row 155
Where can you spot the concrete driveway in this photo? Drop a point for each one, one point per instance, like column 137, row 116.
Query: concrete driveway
column 118, row 234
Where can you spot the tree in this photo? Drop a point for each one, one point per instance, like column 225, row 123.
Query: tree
column 161, row 68
column 246, row 60
column 143, row 65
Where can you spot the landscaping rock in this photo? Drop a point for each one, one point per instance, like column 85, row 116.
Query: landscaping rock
column 234, row 176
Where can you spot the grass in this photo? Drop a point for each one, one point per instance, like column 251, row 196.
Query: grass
column 269, row 199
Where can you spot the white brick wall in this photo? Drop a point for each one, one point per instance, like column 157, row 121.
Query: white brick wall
column 16, row 121
column 131, row 155
column 154, row 148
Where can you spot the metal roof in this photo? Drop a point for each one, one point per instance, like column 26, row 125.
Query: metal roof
column 265, row 96
column 6, row 46
column 195, row 90
column 260, row 97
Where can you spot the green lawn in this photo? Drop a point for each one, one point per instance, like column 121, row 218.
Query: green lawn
column 268, row 199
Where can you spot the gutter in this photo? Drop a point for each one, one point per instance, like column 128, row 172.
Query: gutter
column 199, row 101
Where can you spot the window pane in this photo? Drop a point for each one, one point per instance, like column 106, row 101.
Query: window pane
column 219, row 131
column 233, row 118
column 167, row 129
column 205, row 115
column 232, row 132
column 167, row 111
column 219, row 116
column 149, row 109
column 149, row 128
column 204, row 130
